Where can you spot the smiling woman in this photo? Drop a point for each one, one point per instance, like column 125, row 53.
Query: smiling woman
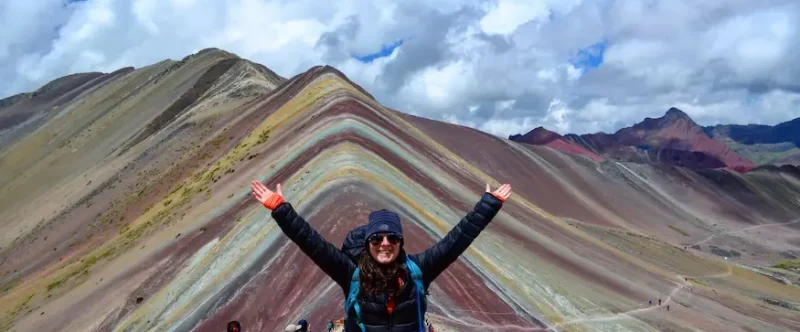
column 394, row 284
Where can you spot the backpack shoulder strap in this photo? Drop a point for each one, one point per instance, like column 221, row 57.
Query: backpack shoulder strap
column 416, row 275
column 351, row 301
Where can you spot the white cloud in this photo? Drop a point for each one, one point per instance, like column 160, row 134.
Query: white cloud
column 504, row 66
column 507, row 15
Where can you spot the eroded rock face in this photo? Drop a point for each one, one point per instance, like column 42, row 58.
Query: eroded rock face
column 781, row 303
column 724, row 252
column 781, row 279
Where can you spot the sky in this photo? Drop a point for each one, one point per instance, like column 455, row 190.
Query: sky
column 500, row 66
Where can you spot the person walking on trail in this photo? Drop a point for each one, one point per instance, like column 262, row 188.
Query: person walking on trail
column 385, row 287
column 330, row 326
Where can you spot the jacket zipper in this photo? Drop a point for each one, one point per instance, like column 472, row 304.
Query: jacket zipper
column 391, row 314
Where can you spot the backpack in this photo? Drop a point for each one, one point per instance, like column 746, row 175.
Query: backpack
column 353, row 246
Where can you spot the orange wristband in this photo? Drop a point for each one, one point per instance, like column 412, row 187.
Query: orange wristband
column 273, row 201
column 496, row 195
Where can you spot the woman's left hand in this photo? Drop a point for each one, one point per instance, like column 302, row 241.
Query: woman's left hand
column 267, row 197
column 502, row 193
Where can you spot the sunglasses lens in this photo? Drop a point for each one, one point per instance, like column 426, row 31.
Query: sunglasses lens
column 375, row 240
column 393, row 239
column 378, row 238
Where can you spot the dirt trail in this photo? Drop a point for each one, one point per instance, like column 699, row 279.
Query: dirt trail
column 743, row 230
column 682, row 284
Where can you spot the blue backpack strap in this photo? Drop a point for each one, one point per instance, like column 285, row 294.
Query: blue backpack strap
column 351, row 301
column 416, row 275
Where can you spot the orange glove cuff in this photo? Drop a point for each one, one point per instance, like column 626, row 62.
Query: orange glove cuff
column 496, row 195
column 273, row 201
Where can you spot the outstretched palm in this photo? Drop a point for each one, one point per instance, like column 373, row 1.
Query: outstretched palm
column 261, row 193
column 502, row 193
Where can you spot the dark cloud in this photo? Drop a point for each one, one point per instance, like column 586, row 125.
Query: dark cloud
column 332, row 44
column 499, row 43
column 427, row 45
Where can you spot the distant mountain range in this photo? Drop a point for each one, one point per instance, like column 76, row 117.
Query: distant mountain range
column 676, row 139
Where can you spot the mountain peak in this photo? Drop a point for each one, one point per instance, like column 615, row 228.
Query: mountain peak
column 675, row 113
column 673, row 117
column 539, row 135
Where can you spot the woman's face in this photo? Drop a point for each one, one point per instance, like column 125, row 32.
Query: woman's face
column 384, row 247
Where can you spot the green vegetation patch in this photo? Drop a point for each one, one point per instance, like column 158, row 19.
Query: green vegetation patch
column 788, row 264
column 675, row 228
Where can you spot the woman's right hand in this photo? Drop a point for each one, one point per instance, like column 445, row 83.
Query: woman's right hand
column 270, row 199
column 502, row 193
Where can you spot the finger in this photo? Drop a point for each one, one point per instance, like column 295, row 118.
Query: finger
column 258, row 187
column 278, row 189
column 488, row 189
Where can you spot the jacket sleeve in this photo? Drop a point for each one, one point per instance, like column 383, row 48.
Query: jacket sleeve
column 329, row 258
column 438, row 257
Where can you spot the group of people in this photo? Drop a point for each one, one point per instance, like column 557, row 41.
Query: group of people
column 659, row 303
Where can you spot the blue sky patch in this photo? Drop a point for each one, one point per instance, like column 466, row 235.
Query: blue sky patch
column 751, row 100
column 386, row 50
column 591, row 57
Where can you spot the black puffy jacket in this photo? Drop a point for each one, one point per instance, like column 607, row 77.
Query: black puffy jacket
column 432, row 262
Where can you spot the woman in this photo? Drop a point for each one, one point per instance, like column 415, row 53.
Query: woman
column 384, row 290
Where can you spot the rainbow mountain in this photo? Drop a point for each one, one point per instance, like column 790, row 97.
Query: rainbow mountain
column 125, row 206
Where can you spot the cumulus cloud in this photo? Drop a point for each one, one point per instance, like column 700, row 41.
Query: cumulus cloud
column 502, row 66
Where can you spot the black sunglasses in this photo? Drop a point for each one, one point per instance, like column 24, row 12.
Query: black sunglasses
column 376, row 239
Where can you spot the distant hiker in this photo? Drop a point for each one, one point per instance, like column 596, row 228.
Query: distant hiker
column 650, row 302
column 330, row 326
column 385, row 288
column 667, row 307
column 234, row 326
column 659, row 301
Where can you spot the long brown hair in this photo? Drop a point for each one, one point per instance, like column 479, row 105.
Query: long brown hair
column 376, row 279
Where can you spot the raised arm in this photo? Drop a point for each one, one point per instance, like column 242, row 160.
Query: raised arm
column 437, row 258
column 328, row 257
